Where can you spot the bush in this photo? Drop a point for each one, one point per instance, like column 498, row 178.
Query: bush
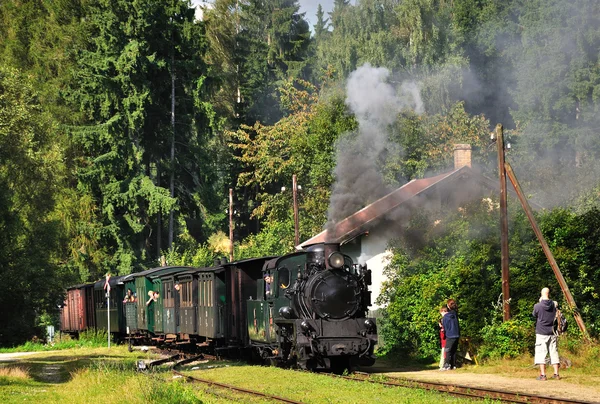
column 508, row 339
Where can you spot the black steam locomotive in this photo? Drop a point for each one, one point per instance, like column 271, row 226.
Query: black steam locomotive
column 306, row 309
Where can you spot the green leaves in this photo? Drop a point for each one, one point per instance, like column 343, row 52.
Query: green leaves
column 459, row 258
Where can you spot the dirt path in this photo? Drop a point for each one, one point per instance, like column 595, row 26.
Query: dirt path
column 39, row 370
column 14, row 356
column 552, row 388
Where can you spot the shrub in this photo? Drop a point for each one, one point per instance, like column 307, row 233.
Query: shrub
column 508, row 339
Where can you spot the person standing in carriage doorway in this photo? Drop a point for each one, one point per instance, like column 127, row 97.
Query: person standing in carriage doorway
column 452, row 330
column 546, row 342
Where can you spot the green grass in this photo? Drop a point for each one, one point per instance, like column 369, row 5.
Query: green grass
column 87, row 339
column 317, row 388
column 100, row 375
column 107, row 376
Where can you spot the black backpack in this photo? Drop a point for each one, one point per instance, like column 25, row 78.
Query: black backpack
column 560, row 323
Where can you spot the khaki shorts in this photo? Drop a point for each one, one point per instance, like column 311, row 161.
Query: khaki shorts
column 545, row 344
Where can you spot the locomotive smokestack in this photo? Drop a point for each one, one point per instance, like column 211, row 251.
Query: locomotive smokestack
column 331, row 247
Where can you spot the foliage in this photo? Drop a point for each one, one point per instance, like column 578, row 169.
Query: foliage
column 300, row 143
column 125, row 88
column 459, row 258
column 428, row 141
column 509, row 339
column 86, row 339
column 275, row 239
column 86, row 135
column 31, row 169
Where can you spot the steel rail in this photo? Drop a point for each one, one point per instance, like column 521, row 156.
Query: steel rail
column 467, row 391
column 239, row 389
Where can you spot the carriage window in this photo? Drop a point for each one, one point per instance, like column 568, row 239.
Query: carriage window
column 284, row 278
column 186, row 294
column 169, row 300
column 188, row 286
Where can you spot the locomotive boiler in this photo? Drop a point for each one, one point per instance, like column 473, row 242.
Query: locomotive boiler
column 311, row 311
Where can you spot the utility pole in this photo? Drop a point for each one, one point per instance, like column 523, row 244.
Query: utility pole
column 296, row 221
column 230, row 224
column 559, row 277
column 503, row 225
column 172, row 177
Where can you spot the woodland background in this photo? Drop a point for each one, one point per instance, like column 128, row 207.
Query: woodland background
column 99, row 175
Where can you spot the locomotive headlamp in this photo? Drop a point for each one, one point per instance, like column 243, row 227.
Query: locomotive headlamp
column 370, row 324
column 336, row 260
column 305, row 325
column 286, row 312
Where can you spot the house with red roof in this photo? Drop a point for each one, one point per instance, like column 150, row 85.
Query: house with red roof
column 365, row 234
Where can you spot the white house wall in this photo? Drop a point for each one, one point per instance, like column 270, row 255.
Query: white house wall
column 371, row 250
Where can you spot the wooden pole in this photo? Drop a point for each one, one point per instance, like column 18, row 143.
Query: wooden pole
column 561, row 280
column 296, row 222
column 172, row 174
column 108, row 314
column 230, row 224
column 503, row 225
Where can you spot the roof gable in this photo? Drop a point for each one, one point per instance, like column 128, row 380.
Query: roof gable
column 359, row 222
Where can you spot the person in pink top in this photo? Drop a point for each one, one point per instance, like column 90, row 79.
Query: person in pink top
column 443, row 312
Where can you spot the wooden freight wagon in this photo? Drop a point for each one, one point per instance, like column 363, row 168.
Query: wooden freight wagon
column 241, row 279
column 77, row 313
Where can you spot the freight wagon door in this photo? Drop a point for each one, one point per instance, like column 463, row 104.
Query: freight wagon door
column 89, row 304
column 72, row 310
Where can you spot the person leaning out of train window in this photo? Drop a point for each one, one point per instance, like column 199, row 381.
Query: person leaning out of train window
column 153, row 297
column 129, row 297
column 268, row 279
column 452, row 330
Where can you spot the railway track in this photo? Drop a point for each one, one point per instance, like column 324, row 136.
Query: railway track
column 194, row 379
column 237, row 389
column 465, row 391
column 453, row 389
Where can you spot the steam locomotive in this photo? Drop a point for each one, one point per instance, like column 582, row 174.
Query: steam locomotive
column 306, row 309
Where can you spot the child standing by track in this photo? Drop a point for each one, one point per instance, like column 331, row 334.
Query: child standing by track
column 443, row 312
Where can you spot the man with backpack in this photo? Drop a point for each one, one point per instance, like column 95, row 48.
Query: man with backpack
column 545, row 340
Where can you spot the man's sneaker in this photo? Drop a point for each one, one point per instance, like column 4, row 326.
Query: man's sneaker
column 445, row 368
column 541, row 377
column 557, row 377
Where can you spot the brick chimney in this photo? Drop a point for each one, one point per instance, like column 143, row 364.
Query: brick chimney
column 462, row 155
